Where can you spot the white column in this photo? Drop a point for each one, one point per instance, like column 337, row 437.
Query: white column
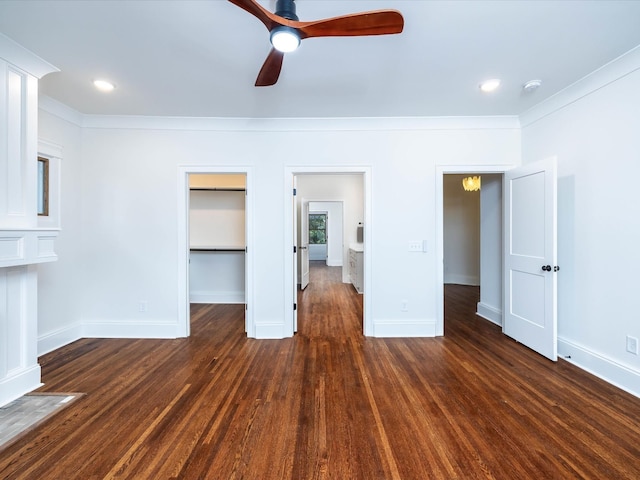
column 22, row 245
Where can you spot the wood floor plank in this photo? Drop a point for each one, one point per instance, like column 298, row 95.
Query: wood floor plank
column 327, row 404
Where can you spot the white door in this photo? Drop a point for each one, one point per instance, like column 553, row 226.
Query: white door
column 530, row 278
column 295, row 255
column 304, row 244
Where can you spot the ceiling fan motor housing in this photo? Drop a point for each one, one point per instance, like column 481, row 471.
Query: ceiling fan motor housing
column 286, row 9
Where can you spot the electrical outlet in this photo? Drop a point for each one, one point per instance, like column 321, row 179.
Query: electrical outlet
column 415, row 246
column 632, row 345
column 143, row 306
column 404, row 306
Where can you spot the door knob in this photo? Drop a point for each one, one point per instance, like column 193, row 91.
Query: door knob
column 546, row 268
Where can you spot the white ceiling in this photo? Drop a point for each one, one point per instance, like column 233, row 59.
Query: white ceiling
column 179, row 58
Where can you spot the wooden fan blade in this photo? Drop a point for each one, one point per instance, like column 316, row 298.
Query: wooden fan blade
column 270, row 70
column 269, row 19
column 376, row 22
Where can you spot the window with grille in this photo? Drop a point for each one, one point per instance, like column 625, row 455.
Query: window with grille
column 317, row 228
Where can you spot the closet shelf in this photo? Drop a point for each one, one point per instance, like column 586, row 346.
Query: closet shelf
column 217, row 249
column 218, row 189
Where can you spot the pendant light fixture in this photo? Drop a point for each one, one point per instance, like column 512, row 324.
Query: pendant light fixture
column 471, row 184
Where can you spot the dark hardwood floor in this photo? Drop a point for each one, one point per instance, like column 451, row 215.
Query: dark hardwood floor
column 327, row 404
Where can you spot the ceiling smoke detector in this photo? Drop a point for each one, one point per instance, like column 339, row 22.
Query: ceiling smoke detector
column 532, row 85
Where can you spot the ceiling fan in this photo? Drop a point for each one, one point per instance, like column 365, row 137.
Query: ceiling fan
column 286, row 31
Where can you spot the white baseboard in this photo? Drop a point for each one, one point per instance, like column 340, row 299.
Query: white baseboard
column 494, row 315
column 622, row 376
column 461, row 279
column 19, row 383
column 268, row 331
column 133, row 329
column 404, row 328
column 51, row 341
column 334, row 263
column 216, row 297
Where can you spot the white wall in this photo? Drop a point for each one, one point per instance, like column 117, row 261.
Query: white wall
column 60, row 283
column 217, row 277
column 461, row 210
column 491, row 244
column 128, row 192
column 594, row 130
column 216, row 218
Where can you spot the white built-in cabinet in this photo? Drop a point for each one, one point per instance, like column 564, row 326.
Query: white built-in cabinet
column 217, row 238
column 356, row 267
column 23, row 242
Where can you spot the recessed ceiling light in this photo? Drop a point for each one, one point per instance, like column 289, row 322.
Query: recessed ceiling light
column 532, row 85
column 490, row 85
column 103, row 85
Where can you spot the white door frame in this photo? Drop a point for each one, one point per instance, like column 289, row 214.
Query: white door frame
column 441, row 171
column 290, row 278
column 184, row 314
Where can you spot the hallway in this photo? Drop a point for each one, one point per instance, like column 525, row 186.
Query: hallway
column 325, row 296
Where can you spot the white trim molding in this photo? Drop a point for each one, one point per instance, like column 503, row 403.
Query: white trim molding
column 51, row 341
column 132, row 329
column 493, row 314
column 270, row 331
column 611, row 371
column 56, row 108
column 290, row 298
column 216, row 297
column 183, row 252
column 14, row 386
column 442, row 170
column 25, row 59
column 404, row 328
column 26, row 247
column 605, row 75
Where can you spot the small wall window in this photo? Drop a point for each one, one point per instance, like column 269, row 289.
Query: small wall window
column 43, row 186
column 317, row 228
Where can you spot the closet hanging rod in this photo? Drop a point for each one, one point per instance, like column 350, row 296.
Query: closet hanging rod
column 218, row 249
column 219, row 189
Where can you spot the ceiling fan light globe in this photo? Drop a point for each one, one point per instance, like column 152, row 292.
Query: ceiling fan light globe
column 285, row 39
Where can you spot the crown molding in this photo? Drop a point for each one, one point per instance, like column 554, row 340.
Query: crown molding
column 60, row 110
column 24, row 59
column 54, row 107
column 600, row 78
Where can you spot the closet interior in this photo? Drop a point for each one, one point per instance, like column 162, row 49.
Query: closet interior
column 217, row 239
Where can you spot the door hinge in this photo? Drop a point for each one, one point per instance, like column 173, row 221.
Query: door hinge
column 295, row 306
column 295, row 250
column 294, row 192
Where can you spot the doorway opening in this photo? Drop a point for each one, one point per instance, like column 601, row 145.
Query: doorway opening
column 469, row 238
column 343, row 195
column 472, row 238
column 527, row 235
column 215, row 258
